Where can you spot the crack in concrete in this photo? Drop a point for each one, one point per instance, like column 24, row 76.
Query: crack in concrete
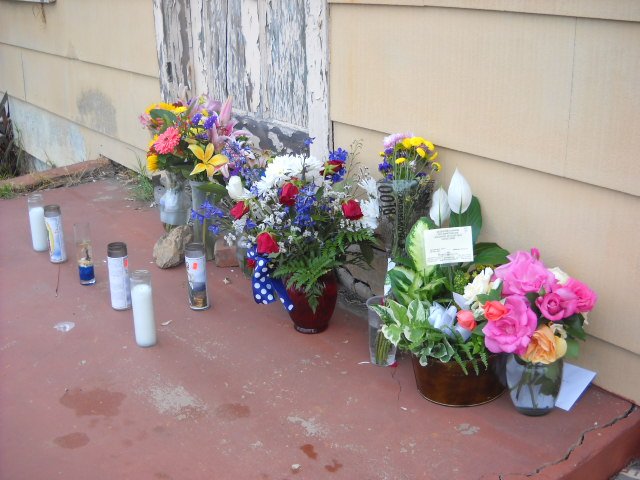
column 579, row 442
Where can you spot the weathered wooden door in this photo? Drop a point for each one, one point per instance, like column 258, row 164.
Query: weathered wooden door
column 270, row 56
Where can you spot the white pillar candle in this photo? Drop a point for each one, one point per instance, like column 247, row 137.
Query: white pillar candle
column 143, row 321
column 39, row 236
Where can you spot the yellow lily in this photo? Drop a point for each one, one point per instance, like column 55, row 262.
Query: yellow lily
column 208, row 161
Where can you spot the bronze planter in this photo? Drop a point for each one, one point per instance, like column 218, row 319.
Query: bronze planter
column 447, row 384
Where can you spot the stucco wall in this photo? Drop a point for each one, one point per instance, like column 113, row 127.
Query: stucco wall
column 539, row 108
column 79, row 72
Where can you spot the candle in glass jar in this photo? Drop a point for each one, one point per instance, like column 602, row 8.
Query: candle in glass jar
column 39, row 236
column 142, row 303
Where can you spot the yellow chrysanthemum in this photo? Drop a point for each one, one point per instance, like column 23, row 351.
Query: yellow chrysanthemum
column 429, row 145
column 417, row 141
column 400, row 160
column 381, row 154
column 433, row 156
column 179, row 110
column 420, row 151
column 437, row 167
column 152, row 163
column 406, row 143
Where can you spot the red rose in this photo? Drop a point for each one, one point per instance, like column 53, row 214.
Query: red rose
column 288, row 194
column 466, row 320
column 267, row 243
column 351, row 210
column 494, row 310
column 239, row 210
column 332, row 167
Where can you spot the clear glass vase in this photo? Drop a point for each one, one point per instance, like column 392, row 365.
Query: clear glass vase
column 402, row 203
column 381, row 351
column 173, row 201
column 533, row 387
column 200, row 224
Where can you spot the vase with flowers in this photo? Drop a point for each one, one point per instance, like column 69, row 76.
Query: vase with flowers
column 300, row 217
column 424, row 313
column 537, row 316
column 408, row 167
column 195, row 140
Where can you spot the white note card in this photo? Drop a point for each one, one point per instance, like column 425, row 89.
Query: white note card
column 574, row 381
column 448, row 245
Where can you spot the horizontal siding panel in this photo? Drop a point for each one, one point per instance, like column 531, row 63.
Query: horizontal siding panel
column 115, row 33
column 628, row 10
column 496, row 85
column 102, row 99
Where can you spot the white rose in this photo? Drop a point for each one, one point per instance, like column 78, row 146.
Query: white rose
column 236, row 190
column 480, row 285
column 561, row 277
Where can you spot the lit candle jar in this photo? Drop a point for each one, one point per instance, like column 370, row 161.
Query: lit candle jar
column 84, row 253
column 144, row 323
column 196, row 261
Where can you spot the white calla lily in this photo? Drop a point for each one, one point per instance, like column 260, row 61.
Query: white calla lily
column 459, row 193
column 440, row 210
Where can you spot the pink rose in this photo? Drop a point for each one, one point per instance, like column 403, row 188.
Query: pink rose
column 494, row 310
column 512, row 332
column 559, row 304
column 523, row 274
column 466, row 320
column 587, row 298
column 267, row 243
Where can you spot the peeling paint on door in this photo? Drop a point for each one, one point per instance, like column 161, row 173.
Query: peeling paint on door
column 270, row 56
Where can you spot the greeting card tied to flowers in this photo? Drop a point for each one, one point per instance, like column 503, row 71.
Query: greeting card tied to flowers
column 448, row 245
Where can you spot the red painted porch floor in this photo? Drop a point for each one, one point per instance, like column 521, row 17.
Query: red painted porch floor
column 234, row 392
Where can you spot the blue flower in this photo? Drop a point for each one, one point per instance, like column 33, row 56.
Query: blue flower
column 304, row 207
column 210, row 122
column 309, row 141
column 195, row 121
column 339, row 154
column 215, row 229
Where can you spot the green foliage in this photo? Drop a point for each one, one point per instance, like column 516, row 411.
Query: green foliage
column 489, row 254
column 472, row 217
column 7, row 191
column 168, row 118
column 409, row 329
column 308, row 263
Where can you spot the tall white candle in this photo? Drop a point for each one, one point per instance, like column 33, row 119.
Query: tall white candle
column 39, row 236
column 143, row 321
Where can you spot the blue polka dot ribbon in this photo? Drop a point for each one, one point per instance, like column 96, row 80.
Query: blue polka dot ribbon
column 265, row 288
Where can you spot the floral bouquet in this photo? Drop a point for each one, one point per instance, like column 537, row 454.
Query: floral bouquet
column 408, row 164
column 535, row 313
column 195, row 138
column 424, row 314
column 198, row 140
column 301, row 217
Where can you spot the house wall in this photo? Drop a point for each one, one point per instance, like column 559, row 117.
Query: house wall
column 538, row 104
column 79, row 73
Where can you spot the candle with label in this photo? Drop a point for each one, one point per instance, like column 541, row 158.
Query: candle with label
column 142, row 303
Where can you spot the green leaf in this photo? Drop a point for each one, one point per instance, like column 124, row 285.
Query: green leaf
column 489, row 254
column 415, row 246
column 218, row 190
column 392, row 333
column 167, row 117
column 471, row 218
column 573, row 348
column 573, row 326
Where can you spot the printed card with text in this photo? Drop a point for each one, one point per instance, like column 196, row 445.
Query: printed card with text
column 448, row 245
